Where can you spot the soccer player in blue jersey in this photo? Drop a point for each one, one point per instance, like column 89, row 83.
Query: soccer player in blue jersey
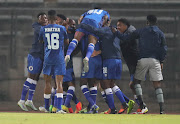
column 35, row 64
column 91, row 77
column 96, row 18
column 111, row 66
column 152, row 53
column 53, row 36
column 69, row 79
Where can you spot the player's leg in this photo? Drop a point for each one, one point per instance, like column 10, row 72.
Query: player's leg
column 35, row 78
column 120, row 96
column 86, row 93
column 47, row 93
column 105, row 84
column 92, row 83
column 59, row 92
column 155, row 74
column 159, row 94
column 92, row 41
column 34, row 70
column 70, row 93
column 77, row 37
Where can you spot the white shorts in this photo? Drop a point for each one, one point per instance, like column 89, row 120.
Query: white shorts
column 150, row 65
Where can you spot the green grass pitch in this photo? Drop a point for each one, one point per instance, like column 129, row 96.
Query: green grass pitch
column 47, row 118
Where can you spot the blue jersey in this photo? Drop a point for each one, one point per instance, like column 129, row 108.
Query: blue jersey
column 96, row 15
column 110, row 44
column 53, row 36
column 37, row 49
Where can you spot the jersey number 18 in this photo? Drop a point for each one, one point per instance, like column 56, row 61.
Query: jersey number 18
column 53, row 43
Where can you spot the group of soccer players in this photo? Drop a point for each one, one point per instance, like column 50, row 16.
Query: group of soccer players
column 101, row 46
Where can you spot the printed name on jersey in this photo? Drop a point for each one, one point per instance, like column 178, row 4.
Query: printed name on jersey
column 52, row 29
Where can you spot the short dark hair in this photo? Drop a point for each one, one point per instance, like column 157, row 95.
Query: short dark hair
column 96, row 6
column 61, row 16
column 124, row 21
column 152, row 19
column 41, row 13
column 51, row 13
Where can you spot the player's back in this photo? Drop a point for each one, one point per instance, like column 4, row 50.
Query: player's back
column 96, row 15
column 53, row 37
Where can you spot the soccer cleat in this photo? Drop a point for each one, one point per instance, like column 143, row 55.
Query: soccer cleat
column 106, row 111
column 86, row 64
column 50, row 108
column 31, row 105
column 43, row 109
column 83, row 110
column 113, row 111
column 137, row 111
column 162, row 112
column 78, row 107
column 144, row 110
column 123, row 108
column 131, row 104
column 54, row 109
column 70, row 110
column 22, row 106
column 60, row 112
column 67, row 58
column 64, row 108
column 94, row 108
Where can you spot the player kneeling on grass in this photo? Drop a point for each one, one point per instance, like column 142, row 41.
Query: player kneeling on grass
column 54, row 37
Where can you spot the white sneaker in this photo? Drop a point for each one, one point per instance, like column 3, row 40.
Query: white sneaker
column 86, row 64
column 22, row 105
column 31, row 105
column 143, row 111
column 67, row 58
column 42, row 109
column 60, row 112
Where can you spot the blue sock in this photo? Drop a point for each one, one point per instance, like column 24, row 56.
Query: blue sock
column 31, row 91
column 90, row 50
column 109, row 97
column 46, row 100
column 69, row 96
column 59, row 100
column 86, row 93
column 55, row 100
column 72, row 46
column 64, row 97
column 119, row 94
column 74, row 98
column 25, row 89
column 125, row 97
column 93, row 93
column 53, row 91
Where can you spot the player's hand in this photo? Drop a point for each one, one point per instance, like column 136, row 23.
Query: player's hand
column 95, row 53
column 113, row 29
column 161, row 66
column 67, row 58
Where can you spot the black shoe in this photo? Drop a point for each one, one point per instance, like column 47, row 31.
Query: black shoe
column 113, row 111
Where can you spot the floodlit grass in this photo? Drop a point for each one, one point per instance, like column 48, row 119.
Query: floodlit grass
column 47, row 118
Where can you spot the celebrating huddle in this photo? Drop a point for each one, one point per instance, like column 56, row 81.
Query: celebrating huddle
column 144, row 51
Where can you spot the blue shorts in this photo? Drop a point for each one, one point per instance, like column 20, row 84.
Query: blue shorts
column 95, row 68
column 35, row 65
column 90, row 22
column 112, row 69
column 59, row 69
column 69, row 77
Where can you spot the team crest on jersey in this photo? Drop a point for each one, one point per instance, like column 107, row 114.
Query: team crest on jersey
column 30, row 68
